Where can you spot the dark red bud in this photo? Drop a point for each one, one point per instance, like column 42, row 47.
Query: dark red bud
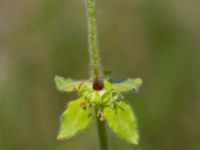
column 98, row 85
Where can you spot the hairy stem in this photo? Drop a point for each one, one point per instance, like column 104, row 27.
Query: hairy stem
column 96, row 72
column 95, row 68
column 102, row 134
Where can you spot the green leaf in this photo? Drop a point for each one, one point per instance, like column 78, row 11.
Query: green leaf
column 67, row 85
column 94, row 97
column 127, row 85
column 107, row 74
column 108, row 85
column 122, row 121
column 107, row 96
column 74, row 119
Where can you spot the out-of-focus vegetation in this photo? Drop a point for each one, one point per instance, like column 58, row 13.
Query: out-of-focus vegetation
column 157, row 40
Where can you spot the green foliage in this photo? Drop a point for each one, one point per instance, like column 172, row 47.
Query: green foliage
column 127, row 85
column 122, row 121
column 74, row 119
column 107, row 103
column 67, row 85
column 107, row 74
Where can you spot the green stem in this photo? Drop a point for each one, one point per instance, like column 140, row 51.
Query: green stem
column 102, row 134
column 96, row 71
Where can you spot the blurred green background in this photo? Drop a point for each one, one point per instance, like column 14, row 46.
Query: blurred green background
column 158, row 40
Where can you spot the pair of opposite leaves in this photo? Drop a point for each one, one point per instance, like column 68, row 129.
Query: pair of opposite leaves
column 107, row 102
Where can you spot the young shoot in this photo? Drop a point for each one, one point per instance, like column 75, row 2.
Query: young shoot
column 98, row 96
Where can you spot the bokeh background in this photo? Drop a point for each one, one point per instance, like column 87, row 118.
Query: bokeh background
column 157, row 40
